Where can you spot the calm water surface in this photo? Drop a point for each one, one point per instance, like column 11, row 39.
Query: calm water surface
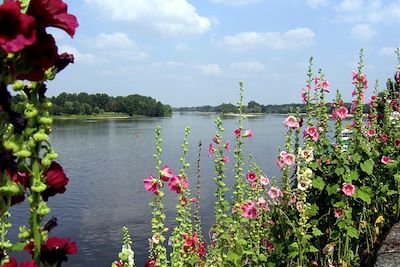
column 106, row 162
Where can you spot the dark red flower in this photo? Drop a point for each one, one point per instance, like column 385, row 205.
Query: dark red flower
column 54, row 250
column 56, row 180
column 37, row 58
column 63, row 60
column 150, row 263
column 13, row 263
column 17, row 30
column 53, row 13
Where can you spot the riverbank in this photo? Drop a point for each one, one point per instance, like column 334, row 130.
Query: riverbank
column 102, row 116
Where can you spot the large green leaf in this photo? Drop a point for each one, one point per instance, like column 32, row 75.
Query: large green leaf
column 318, row 183
column 367, row 166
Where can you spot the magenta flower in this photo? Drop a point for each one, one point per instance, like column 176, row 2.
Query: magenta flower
column 303, row 94
column 225, row 159
column 384, row 137
column 291, row 122
column 251, row 177
column 151, row 184
column 397, row 142
column 177, row 183
column 325, row 86
column 339, row 113
column 371, row 132
column 211, row 150
column 17, row 29
column 237, row 132
column 249, row 210
column 274, row 193
column 227, row 146
column 385, row 160
column 312, row 133
column 248, row 133
column 150, row 263
column 268, row 245
column 348, row 189
column 166, row 174
column 338, row 213
column 13, row 263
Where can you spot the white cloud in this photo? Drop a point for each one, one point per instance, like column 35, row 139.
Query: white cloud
column 387, row 51
column 78, row 56
column 293, row 38
column 350, row 5
column 235, row 2
column 209, row 69
column 171, row 17
column 248, row 66
column 114, row 40
column 316, row 3
column 362, row 32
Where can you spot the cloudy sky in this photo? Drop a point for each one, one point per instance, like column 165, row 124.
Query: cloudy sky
column 194, row 52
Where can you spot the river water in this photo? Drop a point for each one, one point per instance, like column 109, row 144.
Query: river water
column 106, row 162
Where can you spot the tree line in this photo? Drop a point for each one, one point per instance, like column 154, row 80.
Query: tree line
column 88, row 104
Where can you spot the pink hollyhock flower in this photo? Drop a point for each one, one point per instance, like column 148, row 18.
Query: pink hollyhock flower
column 303, row 94
column 291, row 122
column 166, row 174
column 384, row 137
column 293, row 198
column 17, row 29
column 353, row 107
column 251, row 177
column 201, row 251
column 397, row 142
column 150, row 263
column 268, row 245
column 225, row 159
column 280, row 163
column 348, row 189
column 340, row 113
column 53, row 13
column 372, row 99
column 227, row 146
column 312, row 133
column 56, row 180
column 299, row 206
column 211, row 150
column 317, row 79
column 325, row 86
column 194, row 200
column 288, row 158
column 249, row 210
column 151, row 184
column 274, row 193
column 264, row 180
column 371, row 132
column 338, row 213
column 385, row 160
column 248, row 133
column 216, row 140
column 237, row 132
column 177, row 183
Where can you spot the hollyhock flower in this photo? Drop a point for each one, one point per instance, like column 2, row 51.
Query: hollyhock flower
column 353, row 107
column 293, row 198
column 37, row 58
column 268, row 245
column 303, row 94
column 372, row 99
column 340, row 113
column 397, row 142
column 151, row 184
column 338, row 213
column 288, row 158
column 299, row 206
column 227, row 146
column 291, row 122
column 54, row 250
column 274, row 193
column 371, row 132
column 249, row 210
column 317, row 79
column 237, row 132
column 348, row 189
column 248, row 133
column 150, row 263
column 53, row 13
column 63, row 61
column 303, row 185
column 307, row 154
column 177, row 183
column 166, row 174
column 325, row 86
column 264, row 180
column 361, row 78
column 384, row 137
column 211, row 150
column 251, row 177
column 385, row 160
column 17, row 29
column 194, row 200
column 225, row 159
column 13, row 263
column 201, row 251
column 56, row 180
column 312, row 133
column 280, row 163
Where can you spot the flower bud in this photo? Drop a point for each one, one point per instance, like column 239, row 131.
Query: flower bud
column 40, row 136
column 45, row 120
column 11, row 145
column 18, row 85
column 43, row 209
column 24, row 153
column 23, row 232
column 30, row 111
column 38, row 187
column 10, row 188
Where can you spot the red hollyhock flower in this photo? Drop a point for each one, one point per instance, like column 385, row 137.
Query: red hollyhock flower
column 13, row 263
column 53, row 13
column 17, row 30
column 150, row 263
column 56, row 180
column 54, row 250
column 63, row 61
column 37, row 58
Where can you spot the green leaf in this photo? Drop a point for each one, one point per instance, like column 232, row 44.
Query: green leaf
column 232, row 257
column 313, row 210
column 363, row 196
column 18, row 246
column 356, row 158
column 318, row 183
column 262, row 257
column 367, row 166
column 339, row 171
column 312, row 249
column 316, row 232
column 352, row 232
column 332, row 189
column 353, row 175
column 397, row 178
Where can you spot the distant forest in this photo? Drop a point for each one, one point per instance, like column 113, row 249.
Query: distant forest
column 254, row 107
column 89, row 104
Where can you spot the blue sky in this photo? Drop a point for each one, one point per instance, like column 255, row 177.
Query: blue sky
column 194, row 52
